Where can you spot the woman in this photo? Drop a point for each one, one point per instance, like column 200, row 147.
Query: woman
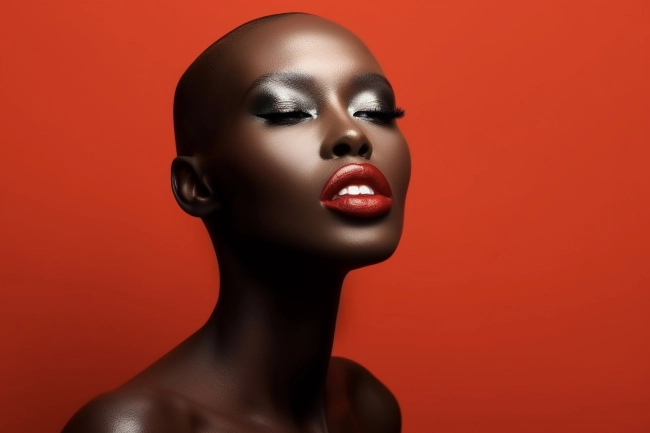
column 289, row 152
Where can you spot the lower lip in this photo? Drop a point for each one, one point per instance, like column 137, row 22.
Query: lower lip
column 360, row 206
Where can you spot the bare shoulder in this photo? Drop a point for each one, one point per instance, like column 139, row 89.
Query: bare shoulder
column 374, row 404
column 132, row 410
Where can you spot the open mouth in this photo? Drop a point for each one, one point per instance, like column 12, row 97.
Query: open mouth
column 357, row 190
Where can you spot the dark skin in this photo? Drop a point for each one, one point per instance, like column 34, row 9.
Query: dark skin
column 296, row 98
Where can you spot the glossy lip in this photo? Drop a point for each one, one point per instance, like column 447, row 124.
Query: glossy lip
column 358, row 206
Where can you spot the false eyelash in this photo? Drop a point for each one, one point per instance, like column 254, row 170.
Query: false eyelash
column 398, row 113
column 284, row 117
column 383, row 115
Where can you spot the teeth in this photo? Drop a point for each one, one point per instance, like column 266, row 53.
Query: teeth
column 355, row 190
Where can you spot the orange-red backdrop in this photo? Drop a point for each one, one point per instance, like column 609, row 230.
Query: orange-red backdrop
column 519, row 299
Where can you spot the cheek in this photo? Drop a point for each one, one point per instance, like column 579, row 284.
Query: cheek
column 271, row 180
column 278, row 163
column 405, row 172
column 394, row 160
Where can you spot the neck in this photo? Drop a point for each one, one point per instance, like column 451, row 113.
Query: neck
column 273, row 329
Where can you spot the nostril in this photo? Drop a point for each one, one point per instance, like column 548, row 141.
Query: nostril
column 341, row 149
column 364, row 150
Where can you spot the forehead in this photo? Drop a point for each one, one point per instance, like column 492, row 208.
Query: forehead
column 299, row 44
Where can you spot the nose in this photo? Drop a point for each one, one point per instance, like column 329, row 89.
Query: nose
column 344, row 137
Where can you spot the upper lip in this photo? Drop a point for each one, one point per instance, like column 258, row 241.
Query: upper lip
column 356, row 174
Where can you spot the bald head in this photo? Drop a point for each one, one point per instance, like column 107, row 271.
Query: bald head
column 195, row 125
column 200, row 113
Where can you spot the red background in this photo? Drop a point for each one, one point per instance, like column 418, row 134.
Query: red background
column 519, row 298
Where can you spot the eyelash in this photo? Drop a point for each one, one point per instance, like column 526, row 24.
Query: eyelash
column 284, row 117
column 381, row 115
column 291, row 117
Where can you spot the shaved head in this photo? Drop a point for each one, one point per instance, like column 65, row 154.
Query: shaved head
column 209, row 91
column 195, row 124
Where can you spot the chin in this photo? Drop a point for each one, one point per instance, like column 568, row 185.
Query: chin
column 372, row 258
column 358, row 250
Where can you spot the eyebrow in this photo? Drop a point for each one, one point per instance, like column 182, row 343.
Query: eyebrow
column 307, row 81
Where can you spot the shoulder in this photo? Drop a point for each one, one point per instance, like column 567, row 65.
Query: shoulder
column 138, row 410
column 373, row 403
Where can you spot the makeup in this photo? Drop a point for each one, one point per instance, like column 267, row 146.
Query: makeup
column 357, row 190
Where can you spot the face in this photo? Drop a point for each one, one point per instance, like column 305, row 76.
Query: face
column 308, row 112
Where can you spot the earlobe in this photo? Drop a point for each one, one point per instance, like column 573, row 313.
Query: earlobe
column 192, row 193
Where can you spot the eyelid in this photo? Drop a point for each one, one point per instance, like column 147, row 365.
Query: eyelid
column 275, row 106
column 372, row 98
column 279, row 98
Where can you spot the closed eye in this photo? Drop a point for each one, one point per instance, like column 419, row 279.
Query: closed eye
column 381, row 116
column 284, row 117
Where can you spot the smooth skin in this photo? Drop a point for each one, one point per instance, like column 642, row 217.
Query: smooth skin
column 262, row 119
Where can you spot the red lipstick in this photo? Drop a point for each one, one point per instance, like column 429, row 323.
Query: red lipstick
column 357, row 190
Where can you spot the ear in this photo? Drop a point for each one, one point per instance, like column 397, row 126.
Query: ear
column 192, row 193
